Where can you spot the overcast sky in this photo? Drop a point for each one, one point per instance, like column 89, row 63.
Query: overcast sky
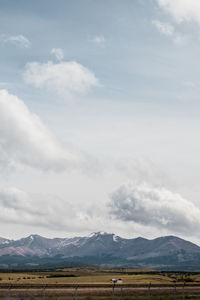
column 100, row 118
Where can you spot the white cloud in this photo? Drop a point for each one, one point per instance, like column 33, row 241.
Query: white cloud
column 168, row 30
column 18, row 40
column 182, row 10
column 58, row 52
column 49, row 212
column 66, row 79
column 155, row 206
column 179, row 40
column 24, row 138
column 99, row 40
column 164, row 28
column 20, row 207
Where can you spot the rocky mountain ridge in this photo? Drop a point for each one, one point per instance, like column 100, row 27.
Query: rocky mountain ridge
column 103, row 249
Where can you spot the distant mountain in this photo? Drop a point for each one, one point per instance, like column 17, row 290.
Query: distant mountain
column 4, row 241
column 100, row 249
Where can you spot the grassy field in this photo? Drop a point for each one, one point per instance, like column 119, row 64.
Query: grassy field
column 30, row 285
column 44, row 278
column 92, row 275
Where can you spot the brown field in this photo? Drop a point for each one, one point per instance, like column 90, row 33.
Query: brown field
column 95, row 283
column 93, row 276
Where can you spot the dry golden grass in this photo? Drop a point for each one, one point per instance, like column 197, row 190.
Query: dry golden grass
column 92, row 276
column 81, row 276
column 97, row 276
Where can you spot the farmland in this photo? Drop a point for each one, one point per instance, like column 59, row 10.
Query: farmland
column 91, row 283
column 85, row 275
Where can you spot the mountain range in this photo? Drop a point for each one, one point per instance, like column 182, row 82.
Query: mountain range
column 99, row 249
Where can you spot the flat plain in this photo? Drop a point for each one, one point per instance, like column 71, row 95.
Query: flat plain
column 93, row 283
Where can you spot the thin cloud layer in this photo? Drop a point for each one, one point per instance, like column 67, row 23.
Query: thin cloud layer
column 164, row 28
column 182, row 10
column 17, row 40
column 66, row 79
column 58, row 52
column 20, row 207
column 169, row 31
column 99, row 40
column 154, row 206
column 45, row 211
column 24, row 139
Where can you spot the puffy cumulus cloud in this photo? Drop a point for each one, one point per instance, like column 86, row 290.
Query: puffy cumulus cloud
column 182, row 10
column 25, row 139
column 58, row 52
column 18, row 40
column 154, row 206
column 164, row 28
column 66, row 79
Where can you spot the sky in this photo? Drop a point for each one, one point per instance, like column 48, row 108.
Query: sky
column 100, row 118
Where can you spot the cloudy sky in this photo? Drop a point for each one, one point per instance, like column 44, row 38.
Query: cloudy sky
column 100, row 118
